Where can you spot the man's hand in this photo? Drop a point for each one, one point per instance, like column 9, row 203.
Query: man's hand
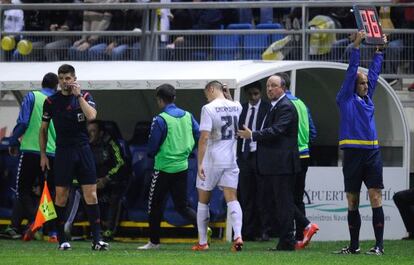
column 109, row 48
column 75, row 88
column 84, row 46
column 200, row 172
column 44, row 162
column 380, row 48
column 358, row 38
column 13, row 150
column 226, row 92
column 246, row 133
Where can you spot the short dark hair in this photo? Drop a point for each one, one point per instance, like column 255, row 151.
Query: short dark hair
column 215, row 84
column 166, row 93
column 285, row 80
column 66, row 69
column 50, row 80
column 255, row 84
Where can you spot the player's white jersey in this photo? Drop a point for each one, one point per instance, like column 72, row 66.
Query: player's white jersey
column 220, row 117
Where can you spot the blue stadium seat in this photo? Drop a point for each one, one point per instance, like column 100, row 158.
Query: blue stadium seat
column 136, row 196
column 8, row 172
column 273, row 37
column 240, row 26
column 227, row 47
column 255, row 44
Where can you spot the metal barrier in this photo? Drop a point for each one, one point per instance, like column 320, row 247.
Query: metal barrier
column 228, row 44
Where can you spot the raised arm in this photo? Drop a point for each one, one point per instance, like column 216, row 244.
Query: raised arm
column 375, row 68
column 348, row 85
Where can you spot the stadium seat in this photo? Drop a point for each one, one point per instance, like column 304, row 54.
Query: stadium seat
column 8, row 172
column 255, row 44
column 136, row 198
column 273, row 37
column 141, row 132
column 227, row 47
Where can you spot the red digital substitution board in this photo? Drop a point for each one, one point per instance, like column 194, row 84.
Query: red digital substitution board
column 367, row 19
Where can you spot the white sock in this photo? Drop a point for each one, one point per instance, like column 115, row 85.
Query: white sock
column 203, row 218
column 236, row 217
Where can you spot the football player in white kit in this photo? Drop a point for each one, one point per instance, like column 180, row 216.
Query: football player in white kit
column 217, row 164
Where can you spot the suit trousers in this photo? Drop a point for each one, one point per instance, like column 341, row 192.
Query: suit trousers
column 405, row 204
column 252, row 191
column 299, row 190
column 285, row 208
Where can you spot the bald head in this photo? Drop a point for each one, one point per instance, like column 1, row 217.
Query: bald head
column 361, row 85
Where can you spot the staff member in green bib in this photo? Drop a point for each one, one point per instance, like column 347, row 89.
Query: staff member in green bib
column 29, row 172
column 174, row 133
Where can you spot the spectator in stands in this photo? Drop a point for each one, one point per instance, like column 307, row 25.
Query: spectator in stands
column 112, row 175
column 13, row 21
column 34, row 21
column 195, row 47
column 60, row 20
column 174, row 133
column 252, row 187
column 246, row 15
column 91, row 47
column 29, row 171
column 124, row 47
column 407, row 22
column 405, row 204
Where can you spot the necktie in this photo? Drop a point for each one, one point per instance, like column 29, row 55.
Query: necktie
column 247, row 142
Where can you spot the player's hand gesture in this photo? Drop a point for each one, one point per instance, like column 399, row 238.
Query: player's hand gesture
column 360, row 36
column 226, row 92
column 44, row 162
column 200, row 172
column 76, row 89
column 246, row 133
column 380, row 48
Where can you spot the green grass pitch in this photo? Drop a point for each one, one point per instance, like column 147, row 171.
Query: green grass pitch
column 255, row 253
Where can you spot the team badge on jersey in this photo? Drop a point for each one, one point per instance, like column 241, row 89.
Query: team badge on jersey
column 81, row 117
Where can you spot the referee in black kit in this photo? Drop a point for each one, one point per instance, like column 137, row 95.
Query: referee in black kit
column 70, row 109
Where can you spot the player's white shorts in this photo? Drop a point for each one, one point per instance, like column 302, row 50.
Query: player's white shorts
column 222, row 177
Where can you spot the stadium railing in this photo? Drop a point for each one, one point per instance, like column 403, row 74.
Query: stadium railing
column 202, row 45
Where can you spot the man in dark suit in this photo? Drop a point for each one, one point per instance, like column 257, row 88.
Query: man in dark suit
column 251, row 188
column 278, row 156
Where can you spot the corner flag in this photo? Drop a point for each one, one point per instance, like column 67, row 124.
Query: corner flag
column 46, row 210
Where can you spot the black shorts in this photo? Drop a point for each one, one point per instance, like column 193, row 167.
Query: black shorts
column 76, row 161
column 362, row 165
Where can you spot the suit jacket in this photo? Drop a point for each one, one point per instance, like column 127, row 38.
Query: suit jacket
column 277, row 142
column 264, row 107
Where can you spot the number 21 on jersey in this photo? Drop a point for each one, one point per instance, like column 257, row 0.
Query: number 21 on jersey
column 229, row 127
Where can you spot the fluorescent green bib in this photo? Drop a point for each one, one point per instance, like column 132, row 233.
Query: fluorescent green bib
column 30, row 140
column 177, row 146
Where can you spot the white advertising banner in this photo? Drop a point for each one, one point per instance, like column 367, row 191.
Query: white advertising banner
column 328, row 205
